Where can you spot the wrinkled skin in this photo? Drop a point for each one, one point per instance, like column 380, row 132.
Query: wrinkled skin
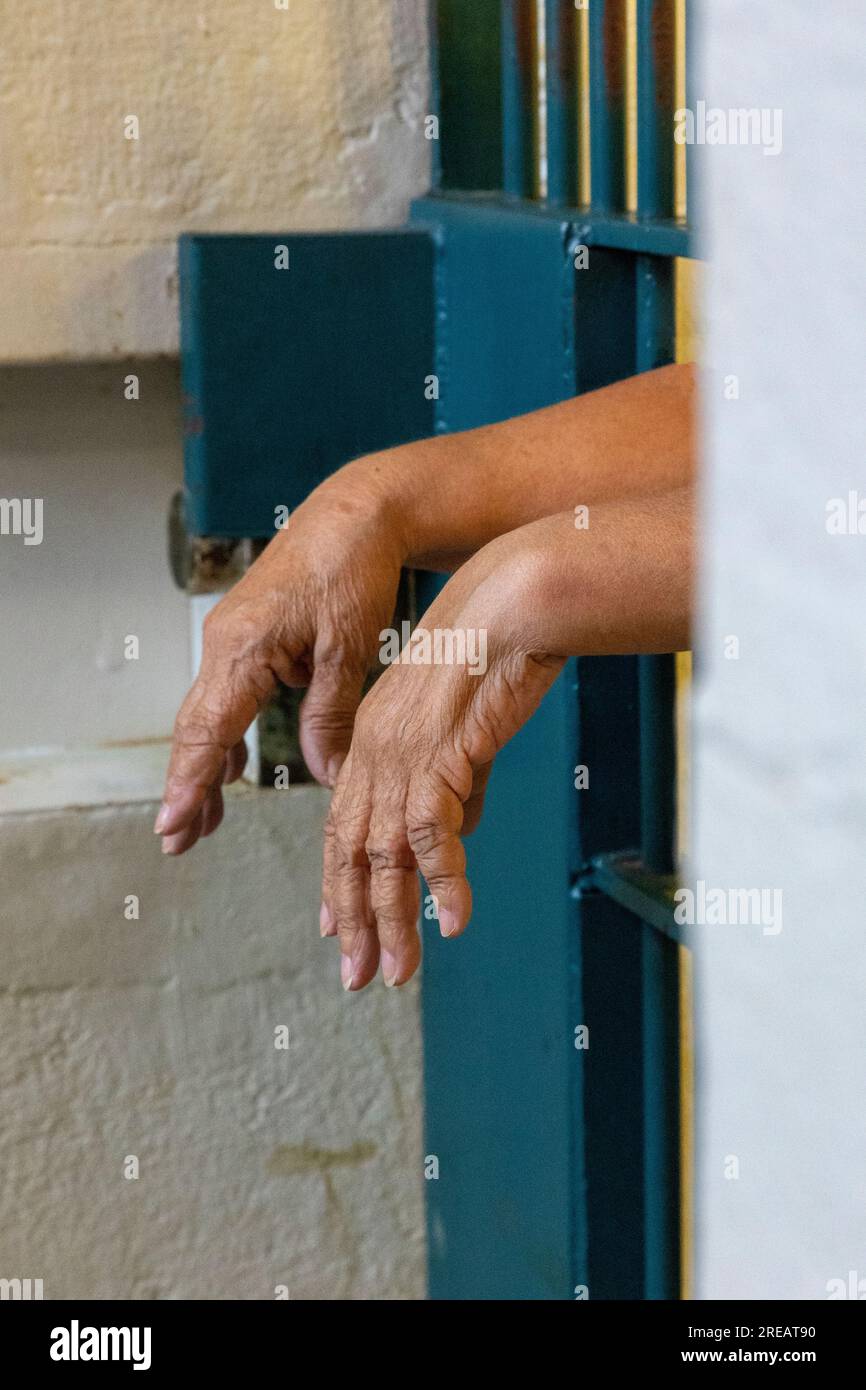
column 413, row 783
column 308, row 613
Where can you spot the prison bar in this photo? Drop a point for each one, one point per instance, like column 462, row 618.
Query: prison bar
column 519, row 98
column 562, row 102
column 607, row 86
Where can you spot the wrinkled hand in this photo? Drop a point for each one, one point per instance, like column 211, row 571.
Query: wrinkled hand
column 424, row 741
column 307, row 613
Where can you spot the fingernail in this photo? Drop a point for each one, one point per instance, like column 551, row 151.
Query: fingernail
column 390, row 969
column 448, row 924
column 347, row 971
column 161, row 819
column 326, row 921
column 167, row 847
column 334, row 770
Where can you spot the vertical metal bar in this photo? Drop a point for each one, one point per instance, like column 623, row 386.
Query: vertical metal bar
column 661, row 1091
column 656, row 51
column 518, row 92
column 656, row 346
column 657, row 676
column 607, row 29
column 469, row 84
column 563, row 177
column 693, row 187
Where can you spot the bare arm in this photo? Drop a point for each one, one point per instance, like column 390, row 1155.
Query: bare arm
column 309, row 611
column 452, row 494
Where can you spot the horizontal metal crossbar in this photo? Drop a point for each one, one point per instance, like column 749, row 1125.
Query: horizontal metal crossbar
column 649, row 896
column 614, row 231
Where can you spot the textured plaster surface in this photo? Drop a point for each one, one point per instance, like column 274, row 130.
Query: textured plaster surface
column 250, row 118
column 258, row 1167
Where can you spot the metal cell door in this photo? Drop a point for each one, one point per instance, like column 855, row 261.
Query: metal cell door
column 542, row 264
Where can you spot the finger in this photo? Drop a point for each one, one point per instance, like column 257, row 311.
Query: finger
column 327, row 923
column 236, row 761
column 212, row 812
column 350, row 889
column 394, row 893
column 327, row 715
column 213, row 719
column 474, row 804
column 184, row 839
column 434, row 819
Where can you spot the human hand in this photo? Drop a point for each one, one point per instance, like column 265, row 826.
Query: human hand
column 307, row 613
column 424, row 741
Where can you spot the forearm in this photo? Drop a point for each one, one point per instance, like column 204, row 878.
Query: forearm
column 452, row 494
column 622, row 585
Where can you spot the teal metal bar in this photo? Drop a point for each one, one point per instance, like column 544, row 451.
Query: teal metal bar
column 655, row 107
column 615, row 231
column 560, row 28
column 626, row 232
column 607, row 28
column 661, row 1069
column 518, row 87
column 469, row 86
column 649, row 896
column 658, row 762
column 656, row 334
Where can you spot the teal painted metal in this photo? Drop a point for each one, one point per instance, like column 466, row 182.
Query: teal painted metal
column 289, row 373
column 649, row 896
column 482, row 294
column 560, row 29
column 613, row 231
column 469, row 91
column 503, row 1078
column 655, row 107
column 607, row 24
column 656, row 341
column 518, row 90
column 515, row 333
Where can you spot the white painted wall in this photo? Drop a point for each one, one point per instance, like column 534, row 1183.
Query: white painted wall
column 155, row 1037
column 781, row 737
column 106, row 469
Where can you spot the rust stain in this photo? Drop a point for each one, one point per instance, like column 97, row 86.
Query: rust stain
column 136, row 742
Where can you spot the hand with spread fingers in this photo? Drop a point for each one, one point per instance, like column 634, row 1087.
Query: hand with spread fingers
column 427, row 733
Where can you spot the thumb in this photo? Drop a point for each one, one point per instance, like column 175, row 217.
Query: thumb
column 327, row 715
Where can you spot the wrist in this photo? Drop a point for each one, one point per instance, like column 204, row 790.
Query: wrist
column 402, row 490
